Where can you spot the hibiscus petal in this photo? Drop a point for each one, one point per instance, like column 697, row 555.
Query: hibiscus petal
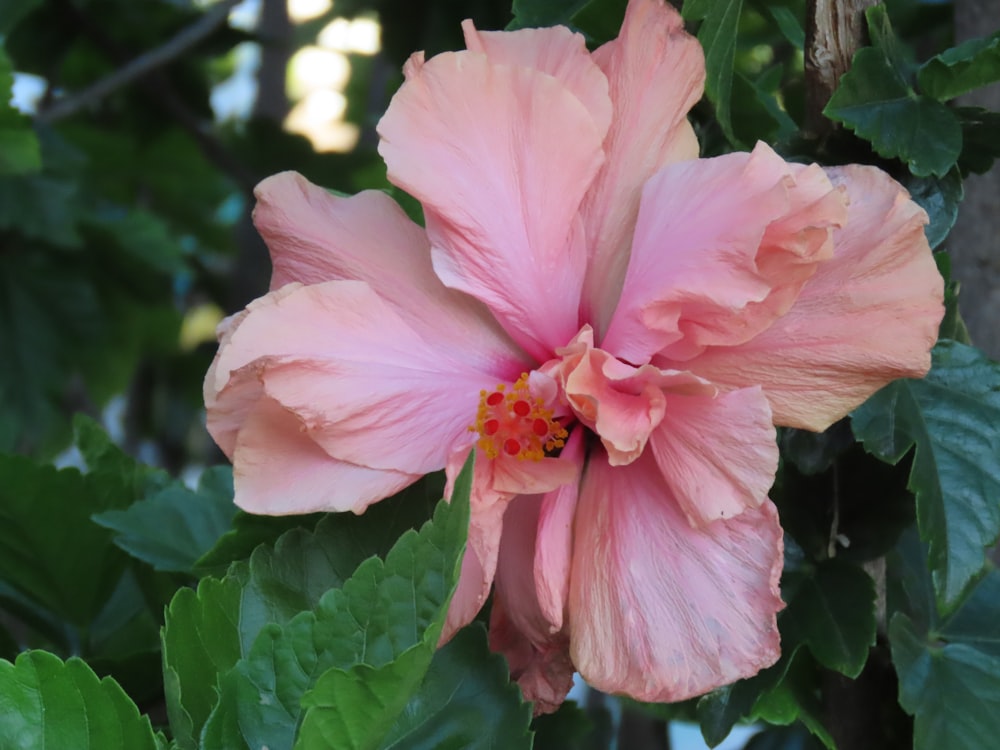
column 278, row 470
column 656, row 73
column 538, row 654
column 621, row 403
column 500, row 157
column 557, row 51
column 479, row 563
column 662, row 611
column 544, row 672
column 314, row 236
column 368, row 388
column 718, row 455
column 554, row 543
column 869, row 316
column 722, row 247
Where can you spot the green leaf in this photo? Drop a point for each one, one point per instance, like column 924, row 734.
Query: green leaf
column 876, row 100
column 200, row 642
column 50, row 550
column 832, row 612
column 535, row 13
column 292, row 576
column 717, row 34
column 383, row 611
column 952, row 325
column 172, row 529
column 247, row 532
column 794, row 698
column 12, row 11
column 386, row 623
column 466, row 701
column 980, row 146
column 948, row 667
column 600, row 20
column 19, row 150
column 789, row 25
column 961, row 69
column 950, row 417
column 940, row 198
column 48, row 703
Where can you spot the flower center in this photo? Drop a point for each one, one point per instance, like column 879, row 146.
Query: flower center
column 515, row 423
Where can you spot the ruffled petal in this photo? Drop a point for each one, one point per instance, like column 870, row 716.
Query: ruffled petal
column 315, row 236
column 869, row 316
column 367, row 388
column 621, row 403
column 557, row 51
column 722, row 247
column 656, row 73
column 538, row 654
column 278, row 470
column 718, row 455
column 662, row 611
column 500, row 157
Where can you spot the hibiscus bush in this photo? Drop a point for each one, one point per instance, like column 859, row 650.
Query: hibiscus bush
column 617, row 378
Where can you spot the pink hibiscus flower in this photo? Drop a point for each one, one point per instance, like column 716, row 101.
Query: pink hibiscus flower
column 611, row 323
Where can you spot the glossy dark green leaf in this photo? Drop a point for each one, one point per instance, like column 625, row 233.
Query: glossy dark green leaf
column 980, row 145
column 950, row 418
column 948, row 667
column 720, row 21
column 832, row 612
column 961, row 69
column 952, row 325
column 940, row 198
column 877, row 101
column 173, row 528
column 48, row 703
column 600, row 20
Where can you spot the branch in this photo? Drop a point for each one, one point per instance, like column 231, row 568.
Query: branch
column 140, row 66
column 834, row 31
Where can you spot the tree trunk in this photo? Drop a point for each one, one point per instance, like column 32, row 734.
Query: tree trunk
column 974, row 243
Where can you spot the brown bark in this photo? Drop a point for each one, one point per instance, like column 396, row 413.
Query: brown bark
column 974, row 243
column 834, row 31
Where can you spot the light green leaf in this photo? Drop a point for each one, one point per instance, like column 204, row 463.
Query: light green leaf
column 466, row 700
column 832, row 611
column 174, row 527
column 292, row 632
column 48, row 703
column 717, row 34
column 961, row 69
column 200, row 643
column 950, row 418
